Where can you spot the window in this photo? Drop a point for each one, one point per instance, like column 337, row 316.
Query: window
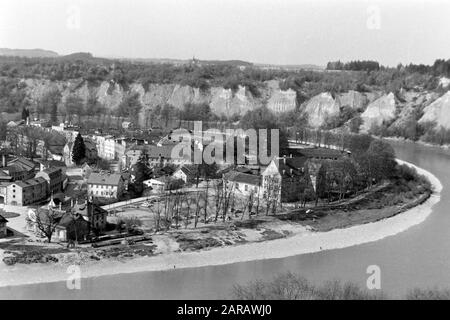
column 246, row 187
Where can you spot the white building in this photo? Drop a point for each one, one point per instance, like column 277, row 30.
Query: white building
column 108, row 185
column 185, row 174
column 106, row 146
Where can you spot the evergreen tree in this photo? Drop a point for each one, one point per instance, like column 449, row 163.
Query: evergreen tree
column 79, row 150
column 139, row 172
column 25, row 114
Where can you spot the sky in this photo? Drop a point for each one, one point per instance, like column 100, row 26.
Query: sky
column 260, row 31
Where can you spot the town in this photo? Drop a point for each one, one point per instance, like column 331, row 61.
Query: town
column 62, row 184
column 243, row 150
column 61, row 177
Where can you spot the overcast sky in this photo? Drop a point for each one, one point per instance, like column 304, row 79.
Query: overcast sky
column 265, row 31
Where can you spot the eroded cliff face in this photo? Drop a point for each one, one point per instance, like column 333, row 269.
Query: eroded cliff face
column 380, row 110
column 323, row 106
column 438, row 112
column 355, row 100
column 411, row 105
column 222, row 101
column 319, row 108
column 374, row 107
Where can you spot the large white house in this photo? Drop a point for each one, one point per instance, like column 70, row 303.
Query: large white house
column 105, row 185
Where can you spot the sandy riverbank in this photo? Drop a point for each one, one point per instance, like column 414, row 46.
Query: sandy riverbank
column 302, row 242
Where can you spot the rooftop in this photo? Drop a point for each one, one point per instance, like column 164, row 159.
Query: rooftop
column 104, row 178
column 24, row 162
column 240, row 177
column 31, row 182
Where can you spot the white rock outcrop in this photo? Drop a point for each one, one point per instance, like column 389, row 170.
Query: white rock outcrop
column 438, row 112
column 382, row 109
column 319, row 108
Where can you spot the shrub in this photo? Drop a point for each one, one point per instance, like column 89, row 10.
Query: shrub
column 293, row 287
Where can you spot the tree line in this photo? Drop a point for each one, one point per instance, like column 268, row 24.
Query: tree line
column 357, row 65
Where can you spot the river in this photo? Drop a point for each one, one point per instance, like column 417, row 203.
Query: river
column 418, row 257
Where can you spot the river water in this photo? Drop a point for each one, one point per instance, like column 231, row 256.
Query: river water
column 418, row 257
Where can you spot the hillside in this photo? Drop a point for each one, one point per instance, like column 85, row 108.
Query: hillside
column 29, row 53
column 388, row 102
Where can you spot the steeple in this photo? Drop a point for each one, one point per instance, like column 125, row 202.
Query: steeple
column 51, row 204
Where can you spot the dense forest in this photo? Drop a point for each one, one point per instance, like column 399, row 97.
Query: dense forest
column 440, row 67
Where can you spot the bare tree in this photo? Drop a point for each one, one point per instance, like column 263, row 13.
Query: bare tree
column 157, row 214
column 187, row 218
column 205, row 213
column 228, row 192
column 218, row 199
column 46, row 222
column 272, row 194
column 197, row 209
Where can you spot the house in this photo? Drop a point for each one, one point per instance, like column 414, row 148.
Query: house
column 67, row 225
column 18, row 169
column 166, row 154
column 23, row 193
column 120, row 147
column 72, row 226
column 164, row 171
column 127, row 125
column 105, row 185
column 67, row 154
column 86, row 170
column 56, row 152
column 131, row 156
column 3, row 228
column 94, row 214
column 185, row 174
column 30, row 166
column 12, row 124
column 13, row 173
column 3, row 191
column 289, row 176
column 91, row 150
column 46, row 164
column 242, row 184
column 58, row 128
column 285, row 179
column 105, row 146
column 158, row 155
column 158, row 185
column 91, row 153
column 54, row 178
